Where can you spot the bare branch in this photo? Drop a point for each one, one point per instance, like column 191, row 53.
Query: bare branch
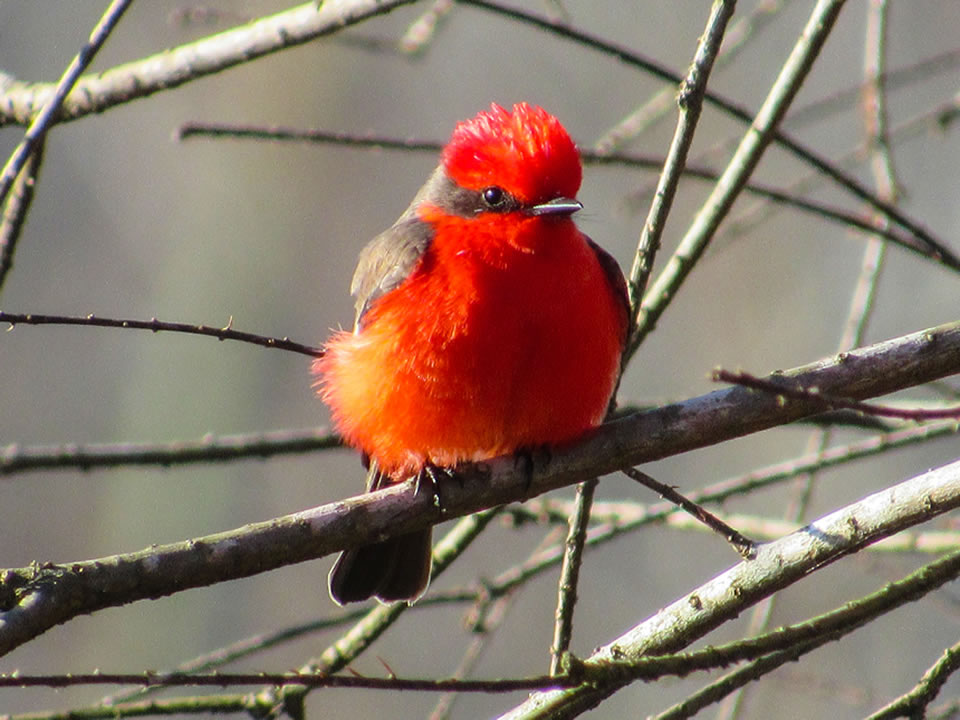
column 577, row 525
column 746, row 158
column 16, row 207
column 777, row 565
column 71, row 456
column 831, row 402
column 743, row 545
column 36, row 598
column 153, row 325
column 690, row 102
column 861, row 221
column 657, row 106
column 51, row 107
column 152, row 679
column 171, row 68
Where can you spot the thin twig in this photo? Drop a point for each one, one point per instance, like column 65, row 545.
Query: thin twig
column 382, row 617
column 159, row 707
column 731, row 682
column 46, row 117
column 775, row 386
column 690, row 103
column 171, row 68
column 152, row 679
column 909, row 76
column 570, row 573
column 16, row 208
column 662, row 101
column 231, row 653
column 17, row 458
column 153, row 325
column 933, row 542
column 876, row 125
column 743, row 545
column 239, row 131
column 740, row 167
column 775, row 566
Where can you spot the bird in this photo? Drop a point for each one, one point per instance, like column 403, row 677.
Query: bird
column 486, row 324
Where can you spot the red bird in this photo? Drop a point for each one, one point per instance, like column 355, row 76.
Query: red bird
column 486, row 323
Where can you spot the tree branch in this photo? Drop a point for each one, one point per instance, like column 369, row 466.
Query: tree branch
column 36, row 598
column 153, row 325
column 47, row 116
column 777, row 565
column 94, row 93
column 690, row 103
column 17, row 458
column 752, row 146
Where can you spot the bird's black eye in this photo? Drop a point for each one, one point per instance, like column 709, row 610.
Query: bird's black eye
column 494, row 196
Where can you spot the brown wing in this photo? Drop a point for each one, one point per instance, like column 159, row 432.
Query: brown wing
column 611, row 269
column 391, row 256
column 387, row 261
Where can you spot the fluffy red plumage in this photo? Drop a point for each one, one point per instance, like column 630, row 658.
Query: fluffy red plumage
column 486, row 323
column 527, row 152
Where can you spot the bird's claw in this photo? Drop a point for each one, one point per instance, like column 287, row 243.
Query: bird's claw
column 428, row 480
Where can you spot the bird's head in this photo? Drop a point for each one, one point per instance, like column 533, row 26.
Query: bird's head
column 523, row 153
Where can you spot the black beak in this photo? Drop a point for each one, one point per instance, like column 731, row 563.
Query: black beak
column 557, row 206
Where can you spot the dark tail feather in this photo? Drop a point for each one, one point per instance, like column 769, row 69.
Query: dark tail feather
column 395, row 569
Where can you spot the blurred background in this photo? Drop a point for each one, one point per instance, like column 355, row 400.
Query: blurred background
column 128, row 222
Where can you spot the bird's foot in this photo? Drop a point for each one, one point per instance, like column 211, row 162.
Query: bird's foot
column 428, row 480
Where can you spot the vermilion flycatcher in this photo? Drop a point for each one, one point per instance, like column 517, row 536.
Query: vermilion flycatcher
column 486, row 323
